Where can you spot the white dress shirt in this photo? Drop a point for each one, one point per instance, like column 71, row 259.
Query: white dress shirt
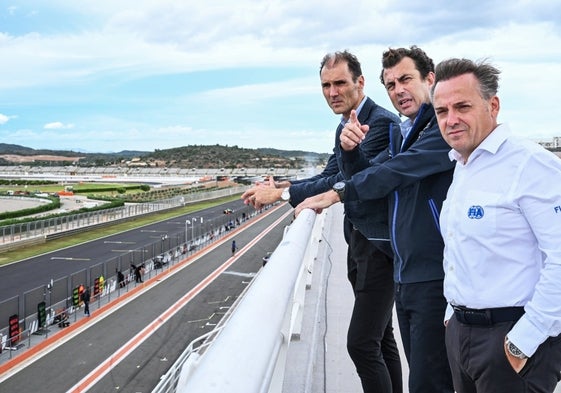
column 501, row 224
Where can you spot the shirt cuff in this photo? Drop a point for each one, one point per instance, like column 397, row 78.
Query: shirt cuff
column 526, row 336
column 448, row 313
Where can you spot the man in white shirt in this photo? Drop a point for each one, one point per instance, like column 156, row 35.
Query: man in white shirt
column 501, row 224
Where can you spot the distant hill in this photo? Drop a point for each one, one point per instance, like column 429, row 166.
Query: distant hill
column 218, row 156
column 6, row 148
column 16, row 149
column 292, row 153
column 194, row 156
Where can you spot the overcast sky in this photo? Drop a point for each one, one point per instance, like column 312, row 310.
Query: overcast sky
column 112, row 75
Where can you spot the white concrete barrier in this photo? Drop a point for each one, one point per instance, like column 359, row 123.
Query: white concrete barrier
column 249, row 354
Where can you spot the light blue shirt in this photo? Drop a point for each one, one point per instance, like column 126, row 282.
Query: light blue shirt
column 405, row 127
column 501, row 225
column 344, row 121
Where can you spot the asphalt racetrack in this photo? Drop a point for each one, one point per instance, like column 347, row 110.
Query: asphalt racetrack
column 127, row 347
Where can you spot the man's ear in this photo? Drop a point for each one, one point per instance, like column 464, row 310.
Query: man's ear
column 430, row 78
column 495, row 105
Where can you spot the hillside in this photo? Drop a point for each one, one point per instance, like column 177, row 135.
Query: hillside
column 217, row 156
column 195, row 156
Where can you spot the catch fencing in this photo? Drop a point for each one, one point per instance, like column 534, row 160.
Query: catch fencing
column 12, row 236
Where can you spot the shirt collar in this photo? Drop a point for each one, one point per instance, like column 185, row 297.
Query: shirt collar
column 491, row 144
column 408, row 124
column 406, row 127
column 359, row 107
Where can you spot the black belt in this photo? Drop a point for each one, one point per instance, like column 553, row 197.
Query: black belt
column 488, row 316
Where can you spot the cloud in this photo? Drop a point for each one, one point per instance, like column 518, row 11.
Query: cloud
column 150, row 74
column 57, row 125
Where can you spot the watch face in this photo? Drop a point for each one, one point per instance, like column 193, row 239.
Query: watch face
column 339, row 186
column 514, row 351
column 285, row 196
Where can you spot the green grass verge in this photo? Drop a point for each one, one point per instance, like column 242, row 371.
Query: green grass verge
column 60, row 187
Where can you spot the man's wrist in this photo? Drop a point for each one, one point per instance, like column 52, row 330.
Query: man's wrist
column 285, row 194
column 282, row 184
column 513, row 350
column 339, row 189
column 333, row 197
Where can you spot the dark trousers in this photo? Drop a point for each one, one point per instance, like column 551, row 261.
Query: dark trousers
column 479, row 364
column 370, row 340
column 420, row 312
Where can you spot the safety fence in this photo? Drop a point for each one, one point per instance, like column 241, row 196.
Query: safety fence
column 11, row 235
column 25, row 317
column 258, row 346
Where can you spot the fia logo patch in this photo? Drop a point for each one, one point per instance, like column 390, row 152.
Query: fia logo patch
column 476, row 212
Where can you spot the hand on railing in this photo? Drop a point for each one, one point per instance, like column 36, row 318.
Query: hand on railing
column 318, row 202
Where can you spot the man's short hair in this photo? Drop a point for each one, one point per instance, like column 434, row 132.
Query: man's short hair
column 486, row 74
column 332, row 59
column 423, row 63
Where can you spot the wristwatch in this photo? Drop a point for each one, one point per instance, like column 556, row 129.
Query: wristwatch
column 513, row 350
column 285, row 196
column 339, row 188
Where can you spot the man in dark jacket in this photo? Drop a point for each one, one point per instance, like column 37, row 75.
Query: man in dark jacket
column 415, row 173
column 370, row 339
column 86, row 299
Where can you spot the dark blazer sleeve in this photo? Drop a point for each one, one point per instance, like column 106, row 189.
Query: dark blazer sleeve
column 376, row 140
column 426, row 156
column 301, row 191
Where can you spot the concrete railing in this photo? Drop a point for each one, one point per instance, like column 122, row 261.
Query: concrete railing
column 249, row 353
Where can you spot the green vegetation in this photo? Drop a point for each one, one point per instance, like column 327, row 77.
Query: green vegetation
column 155, row 194
column 18, row 182
column 217, row 156
column 87, row 188
column 51, row 188
column 10, row 216
column 193, row 156
column 115, row 195
column 43, row 186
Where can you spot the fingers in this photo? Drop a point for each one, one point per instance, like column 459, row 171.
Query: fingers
column 353, row 118
column 251, row 200
column 299, row 209
column 351, row 136
column 271, row 182
column 260, row 196
column 246, row 195
column 249, row 197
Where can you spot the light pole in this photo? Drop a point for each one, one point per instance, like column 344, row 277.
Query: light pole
column 164, row 237
column 188, row 222
column 192, row 223
column 50, row 289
